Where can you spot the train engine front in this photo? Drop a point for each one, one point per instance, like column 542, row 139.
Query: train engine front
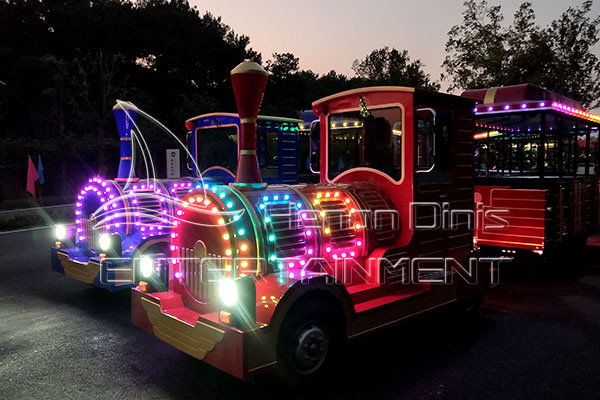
column 117, row 220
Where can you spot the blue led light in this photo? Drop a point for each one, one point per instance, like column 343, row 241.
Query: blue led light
column 271, row 238
column 214, row 189
column 299, row 205
column 267, row 219
column 198, row 186
column 236, row 217
column 229, row 204
column 206, row 186
column 261, row 206
column 275, row 197
column 241, row 232
column 222, row 195
column 286, row 197
column 265, row 198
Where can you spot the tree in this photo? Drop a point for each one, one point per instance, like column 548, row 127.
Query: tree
column 575, row 69
column 387, row 66
column 483, row 53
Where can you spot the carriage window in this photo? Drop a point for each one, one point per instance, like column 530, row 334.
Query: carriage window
column 425, row 138
column 374, row 141
column 217, row 147
column 271, row 160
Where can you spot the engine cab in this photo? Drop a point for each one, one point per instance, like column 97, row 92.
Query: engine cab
column 382, row 237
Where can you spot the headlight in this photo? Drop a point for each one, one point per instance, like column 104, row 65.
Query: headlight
column 61, row 232
column 146, row 264
column 104, row 241
column 228, row 292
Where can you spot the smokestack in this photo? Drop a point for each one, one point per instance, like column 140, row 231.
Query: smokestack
column 249, row 81
column 125, row 113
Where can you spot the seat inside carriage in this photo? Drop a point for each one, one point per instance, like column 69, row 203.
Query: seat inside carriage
column 536, row 155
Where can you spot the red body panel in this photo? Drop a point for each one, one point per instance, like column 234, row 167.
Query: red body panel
column 513, row 218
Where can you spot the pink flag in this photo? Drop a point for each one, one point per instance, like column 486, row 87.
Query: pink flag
column 32, row 176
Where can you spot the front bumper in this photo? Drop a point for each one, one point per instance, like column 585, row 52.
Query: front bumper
column 241, row 353
column 112, row 275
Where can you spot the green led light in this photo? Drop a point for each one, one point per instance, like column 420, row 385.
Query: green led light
column 236, row 217
column 273, row 257
column 222, row 195
column 241, row 232
column 229, row 204
column 280, row 265
column 267, row 219
column 271, row 238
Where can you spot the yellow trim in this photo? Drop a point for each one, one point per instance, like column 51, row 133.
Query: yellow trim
column 125, row 138
column 260, row 117
column 125, row 158
column 84, row 272
column 365, row 90
column 490, row 95
column 195, row 340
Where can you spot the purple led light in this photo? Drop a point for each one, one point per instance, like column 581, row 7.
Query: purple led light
column 507, row 107
column 523, row 105
column 490, row 108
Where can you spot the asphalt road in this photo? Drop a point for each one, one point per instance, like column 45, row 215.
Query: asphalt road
column 535, row 338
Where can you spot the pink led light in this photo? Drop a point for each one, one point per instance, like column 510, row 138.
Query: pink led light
column 173, row 235
column 172, row 247
column 359, row 243
column 292, row 275
column 177, row 275
column 335, row 256
column 328, row 249
column 352, row 253
column 310, row 251
column 303, row 273
column 81, row 237
column 308, row 233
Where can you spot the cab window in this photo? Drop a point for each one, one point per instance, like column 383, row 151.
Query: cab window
column 371, row 141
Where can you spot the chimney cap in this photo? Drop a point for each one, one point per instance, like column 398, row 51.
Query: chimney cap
column 249, row 67
column 125, row 105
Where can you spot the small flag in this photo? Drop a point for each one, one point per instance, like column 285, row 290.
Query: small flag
column 32, row 176
column 40, row 171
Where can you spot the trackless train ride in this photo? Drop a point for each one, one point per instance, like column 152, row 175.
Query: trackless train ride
column 266, row 266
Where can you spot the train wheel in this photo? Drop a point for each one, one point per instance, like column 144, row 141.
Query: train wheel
column 309, row 340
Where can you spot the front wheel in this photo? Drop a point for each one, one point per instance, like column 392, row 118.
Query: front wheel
column 309, row 339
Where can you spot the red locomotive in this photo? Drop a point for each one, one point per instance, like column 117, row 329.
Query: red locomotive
column 266, row 274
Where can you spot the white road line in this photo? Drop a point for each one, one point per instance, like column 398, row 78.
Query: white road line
column 27, row 229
